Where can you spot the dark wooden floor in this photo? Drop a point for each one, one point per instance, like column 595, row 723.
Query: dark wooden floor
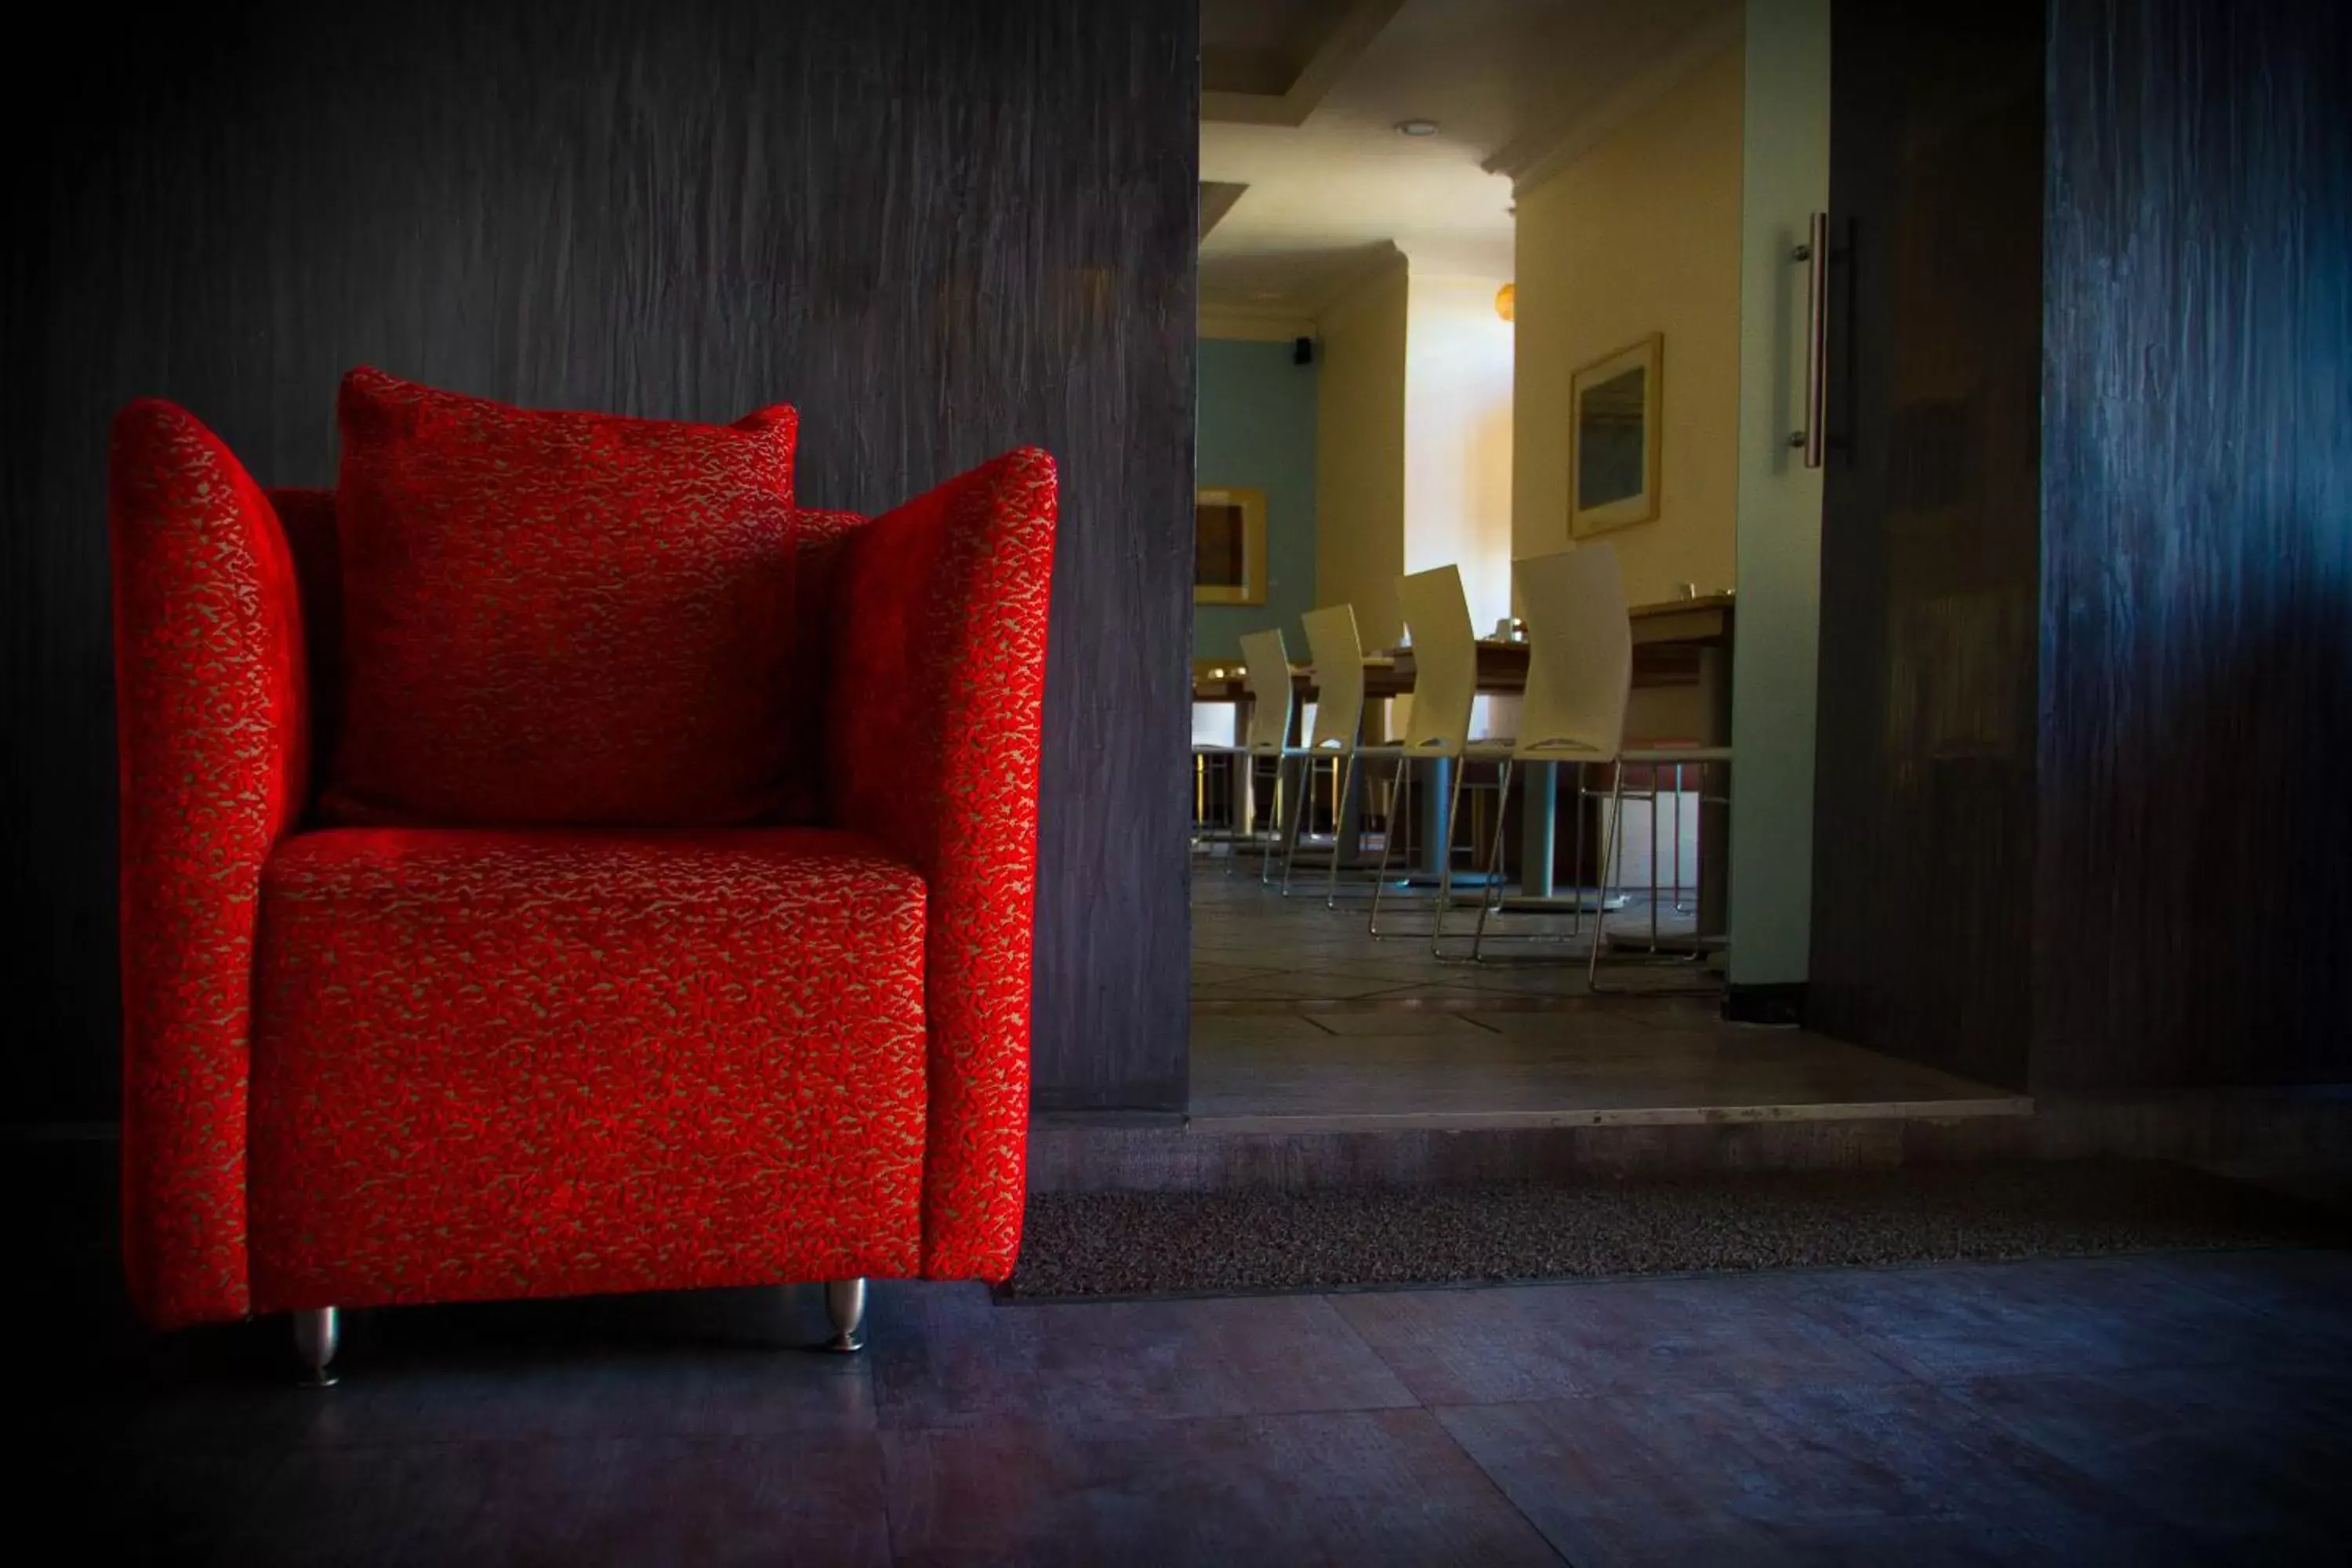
column 2188, row 1408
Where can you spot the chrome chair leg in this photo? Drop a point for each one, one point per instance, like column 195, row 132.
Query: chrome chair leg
column 1445, row 859
column 1494, row 860
column 1576, row 869
column 1266, row 846
column 1400, row 809
column 1298, row 816
column 1342, row 807
column 845, row 1305
column 1494, row 886
column 317, row 1333
column 1678, row 830
column 1654, row 856
column 1233, row 813
column 1612, row 831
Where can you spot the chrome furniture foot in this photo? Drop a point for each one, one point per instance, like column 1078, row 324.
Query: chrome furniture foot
column 844, row 1304
column 316, row 1334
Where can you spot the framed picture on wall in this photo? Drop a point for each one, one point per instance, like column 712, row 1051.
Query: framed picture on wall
column 1613, row 439
column 1228, row 546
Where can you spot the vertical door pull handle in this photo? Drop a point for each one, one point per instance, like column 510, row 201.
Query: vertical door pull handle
column 1815, row 254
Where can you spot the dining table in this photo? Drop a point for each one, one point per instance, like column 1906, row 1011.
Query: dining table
column 1683, row 642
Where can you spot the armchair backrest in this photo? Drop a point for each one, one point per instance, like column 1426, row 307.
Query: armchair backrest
column 308, row 516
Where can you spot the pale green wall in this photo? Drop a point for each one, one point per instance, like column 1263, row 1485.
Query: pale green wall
column 1255, row 427
column 1775, row 670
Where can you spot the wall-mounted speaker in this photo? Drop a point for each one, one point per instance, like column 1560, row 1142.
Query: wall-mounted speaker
column 1302, row 351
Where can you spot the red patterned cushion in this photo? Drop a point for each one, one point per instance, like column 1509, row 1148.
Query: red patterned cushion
column 555, row 618
column 491, row 1064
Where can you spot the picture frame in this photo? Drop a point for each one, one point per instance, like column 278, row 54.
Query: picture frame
column 1228, row 546
column 1615, row 439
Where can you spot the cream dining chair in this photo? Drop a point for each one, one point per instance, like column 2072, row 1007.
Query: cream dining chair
column 1266, row 735
column 1580, row 687
column 1339, row 656
column 1445, row 689
column 1266, row 672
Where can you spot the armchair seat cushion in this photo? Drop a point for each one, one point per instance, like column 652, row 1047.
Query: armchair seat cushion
column 493, row 1063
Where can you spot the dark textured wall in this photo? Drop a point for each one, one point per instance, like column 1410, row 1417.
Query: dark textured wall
column 1924, row 830
column 2195, row 912
column 941, row 229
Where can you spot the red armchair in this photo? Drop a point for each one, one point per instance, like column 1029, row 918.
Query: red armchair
column 390, row 1064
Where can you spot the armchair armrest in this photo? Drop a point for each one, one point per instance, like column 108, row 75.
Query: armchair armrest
column 212, row 757
column 931, row 731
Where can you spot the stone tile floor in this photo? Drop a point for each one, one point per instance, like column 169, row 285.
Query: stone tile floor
column 2166, row 1408
column 1252, row 944
column 1303, row 1022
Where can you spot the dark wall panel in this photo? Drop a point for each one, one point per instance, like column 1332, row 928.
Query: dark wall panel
column 2196, row 821
column 1924, row 830
column 941, row 229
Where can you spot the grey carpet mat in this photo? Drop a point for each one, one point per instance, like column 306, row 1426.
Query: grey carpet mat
column 1127, row 1244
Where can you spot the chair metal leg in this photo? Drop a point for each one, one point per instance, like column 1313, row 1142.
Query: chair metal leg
column 1678, row 830
column 1653, row 858
column 1576, row 915
column 1612, row 832
column 1446, row 859
column 845, row 1305
column 1266, row 846
column 1399, row 786
column 1233, row 823
column 1341, row 806
column 1298, row 816
column 1494, row 859
column 317, row 1332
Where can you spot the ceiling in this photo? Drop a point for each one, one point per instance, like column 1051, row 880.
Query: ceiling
column 1299, row 104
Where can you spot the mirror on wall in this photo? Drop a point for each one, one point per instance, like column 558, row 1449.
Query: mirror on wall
column 1613, row 441
column 1228, row 546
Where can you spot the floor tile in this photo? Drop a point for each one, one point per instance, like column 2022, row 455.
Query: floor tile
column 1400, row 1025
column 1211, row 971
column 1213, row 1030
column 2061, row 1315
column 1395, row 1063
column 616, row 1393
column 1484, row 1346
column 2306, row 1293
column 1292, row 988
column 599, row 1501
column 1581, row 1025
column 945, row 1357
column 1793, row 1474
column 1353, row 1487
column 141, row 1504
column 2246, row 1457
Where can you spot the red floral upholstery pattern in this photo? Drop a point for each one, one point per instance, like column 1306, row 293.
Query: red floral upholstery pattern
column 209, row 676
column 931, row 748
column 555, row 618
column 499, row 1064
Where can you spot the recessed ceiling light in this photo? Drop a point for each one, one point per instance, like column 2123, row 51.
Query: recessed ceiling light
column 1416, row 127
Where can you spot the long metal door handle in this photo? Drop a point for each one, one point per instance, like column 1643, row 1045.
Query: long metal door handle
column 1814, row 436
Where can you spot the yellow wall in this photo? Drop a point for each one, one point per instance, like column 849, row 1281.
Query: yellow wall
column 1359, row 454
column 1639, row 235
